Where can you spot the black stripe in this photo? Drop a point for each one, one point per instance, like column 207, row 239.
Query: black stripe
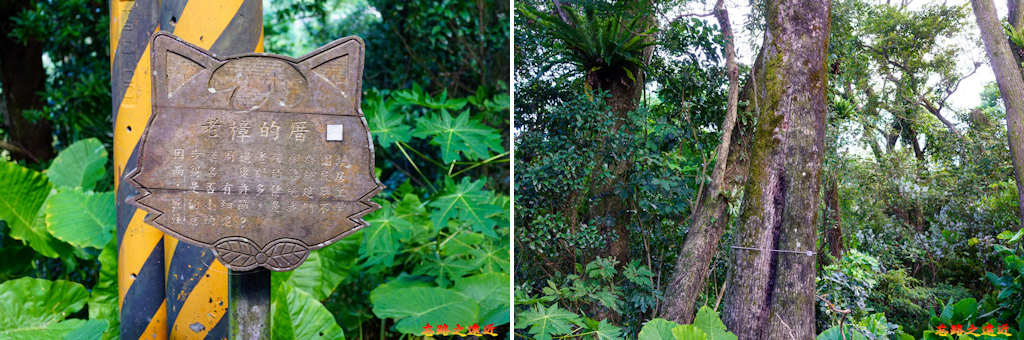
column 135, row 33
column 145, row 296
column 220, row 331
column 125, row 211
column 188, row 265
column 243, row 32
column 170, row 14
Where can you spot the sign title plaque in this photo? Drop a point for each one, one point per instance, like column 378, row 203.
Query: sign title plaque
column 259, row 157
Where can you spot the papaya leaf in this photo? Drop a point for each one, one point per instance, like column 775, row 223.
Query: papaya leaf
column 297, row 315
column 606, row 331
column 81, row 165
column 447, row 269
column 386, row 126
column 382, row 238
column 36, row 308
column 491, row 257
column 83, row 219
column 414, row 307
column 545, row 322
column 23, row 193
column 470, row 137
column 467, row 201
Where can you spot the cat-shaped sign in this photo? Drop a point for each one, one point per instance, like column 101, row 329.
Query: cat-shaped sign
column 259, row 157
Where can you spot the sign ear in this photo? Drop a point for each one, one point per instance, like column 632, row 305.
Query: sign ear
column 179, row 63
column 337, row 66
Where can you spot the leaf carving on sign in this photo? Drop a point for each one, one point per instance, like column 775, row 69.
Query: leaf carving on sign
column 243, row 254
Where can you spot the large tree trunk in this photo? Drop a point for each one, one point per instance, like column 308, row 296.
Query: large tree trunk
column 22, row 76
column 1009, row 79
column 770, row 292
column 709, row 218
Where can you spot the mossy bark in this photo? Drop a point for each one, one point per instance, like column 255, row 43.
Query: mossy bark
column 770, row 294
column 1009, row 79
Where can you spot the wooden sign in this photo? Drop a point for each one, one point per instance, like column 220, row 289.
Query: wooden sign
column 259, row 157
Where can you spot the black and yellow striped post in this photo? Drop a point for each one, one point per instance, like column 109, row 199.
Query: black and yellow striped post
column 167, row 289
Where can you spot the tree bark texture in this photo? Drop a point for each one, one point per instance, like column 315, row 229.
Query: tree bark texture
column 22, row 76
column 710, row 218
column 1010, row 81
column 770, row 294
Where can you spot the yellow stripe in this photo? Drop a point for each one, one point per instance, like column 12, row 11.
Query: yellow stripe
column 156, row 330
column 138, row 242
column 259, row 44
column 134, row 113
column 203, row 21
column 119, row 11
column 206, row 304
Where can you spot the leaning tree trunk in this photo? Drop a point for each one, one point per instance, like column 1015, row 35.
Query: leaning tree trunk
column 770, row 293
column 709, row 218
column 1009, row 79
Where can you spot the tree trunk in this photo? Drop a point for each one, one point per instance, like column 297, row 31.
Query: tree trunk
column 770, row 293
column 835, row 219
column 1010, row 81
column 710, row 218
column 22, row 76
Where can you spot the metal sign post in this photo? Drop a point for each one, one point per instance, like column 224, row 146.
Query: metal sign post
column 256, row 157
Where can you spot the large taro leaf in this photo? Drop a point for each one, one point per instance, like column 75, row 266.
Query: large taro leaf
column 402, row 281
column 707, row 320
column 383, row 237
column 491, row 291
column 415, row 307
column 35, row 309
column 657, row 329
column 103, row 300
column 90, row 330
column 458, row 135
column 83, row 219
column 545, row 322
column 297, row 315
column 688, row 332
column 22, row 195
column 467, row 201
column 80, row 165
column 324, row 269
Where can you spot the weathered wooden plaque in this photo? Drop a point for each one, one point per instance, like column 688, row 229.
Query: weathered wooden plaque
column 259, row 157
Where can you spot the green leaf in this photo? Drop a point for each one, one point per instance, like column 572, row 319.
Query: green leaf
column 461, row 243
column 35, row 308
column 606, row 331
column 459, row 135
column 382, row 238
column 688, row 332
column 103, row 300
column 324, row 269
column 22, row 194
column 491, row 292
column 83, row 219
column 707, row 320
column 385, row 125
column 657, row 329
column 91, row 330
column 447, row 269
column 297, row 315
column 81, row 165
column 468, row 202
column 834, row 334
column 402, row 281
column 415, row 307
column 545, row 322
column 491, row 257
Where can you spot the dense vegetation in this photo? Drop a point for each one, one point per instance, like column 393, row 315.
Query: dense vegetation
column 917, row 224
column 437, row 102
